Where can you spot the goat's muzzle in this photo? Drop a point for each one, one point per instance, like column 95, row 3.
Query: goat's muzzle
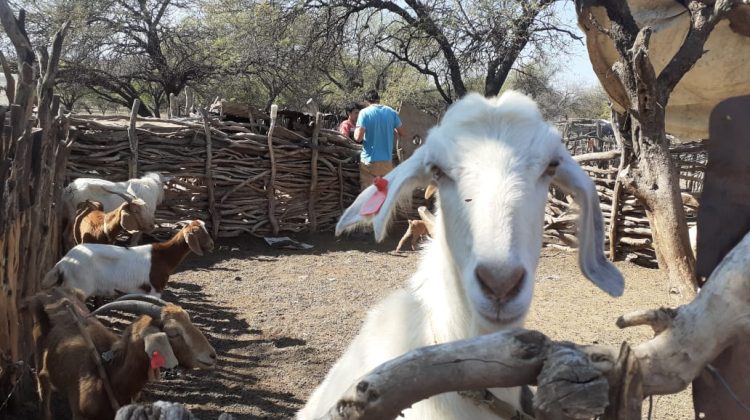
column 500, row 283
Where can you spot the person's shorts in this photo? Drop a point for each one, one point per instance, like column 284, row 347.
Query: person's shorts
column 368, row 171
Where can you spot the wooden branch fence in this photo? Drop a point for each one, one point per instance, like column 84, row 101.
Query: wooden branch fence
column 32, row 162
column 306, row 180
column 233, row 179
column 593, row 145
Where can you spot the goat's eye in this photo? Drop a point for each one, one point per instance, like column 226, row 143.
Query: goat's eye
column 437, row 173
column 173, row 334
column 552, row 168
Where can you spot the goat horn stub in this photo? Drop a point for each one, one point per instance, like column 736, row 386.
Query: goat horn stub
column 125, row 196
column 143, row 298
column 133, row 307
column 430, row 190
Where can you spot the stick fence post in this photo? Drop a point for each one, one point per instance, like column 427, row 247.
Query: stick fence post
column 215, row 219
column 133, row 141
column 313, row 198
column 271, row 186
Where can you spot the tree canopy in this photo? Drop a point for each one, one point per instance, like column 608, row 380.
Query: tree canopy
column 429, row 52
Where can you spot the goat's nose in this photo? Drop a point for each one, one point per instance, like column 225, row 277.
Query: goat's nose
column 500, row 282
column 212, row 356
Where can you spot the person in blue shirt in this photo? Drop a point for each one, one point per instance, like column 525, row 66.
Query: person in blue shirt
column 377, row 126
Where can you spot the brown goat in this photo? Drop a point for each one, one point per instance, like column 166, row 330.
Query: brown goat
column 93, row 225
column 418, row 229
column 162, row 337
column 166, row 256
column 415, row 231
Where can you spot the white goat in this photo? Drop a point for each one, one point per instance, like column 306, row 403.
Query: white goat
column 103, row 270
column 493, row 161
column 149, row 188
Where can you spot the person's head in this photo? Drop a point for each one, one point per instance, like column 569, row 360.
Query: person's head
column 372, row 96
column 352, row 110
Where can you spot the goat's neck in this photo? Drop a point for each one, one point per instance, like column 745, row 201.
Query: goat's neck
column 112, row 226
column 170, row 253
column 129, row 369
column 439, row 287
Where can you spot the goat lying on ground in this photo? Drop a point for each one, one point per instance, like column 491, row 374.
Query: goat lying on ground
column 101, row 270
column 149, row 188
column 162, row 337
column 493, row 161
column 93, row 225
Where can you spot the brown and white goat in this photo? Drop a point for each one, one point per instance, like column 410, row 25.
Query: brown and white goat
column 103, row 270
column 162, row 337
column 93, row 225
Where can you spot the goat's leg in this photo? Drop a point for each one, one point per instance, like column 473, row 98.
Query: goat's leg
column 136, row 238
column 428, row 218
column 414, row 240
column 75, row 410
column 44, row 387
column 403, row 240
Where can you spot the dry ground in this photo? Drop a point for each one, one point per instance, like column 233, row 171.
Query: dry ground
column 279, row 319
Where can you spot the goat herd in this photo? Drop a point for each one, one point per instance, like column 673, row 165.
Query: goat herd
column 492, row 162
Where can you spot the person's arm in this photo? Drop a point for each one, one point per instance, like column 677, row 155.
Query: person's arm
column 400, row 131
column 359, row 134
column 399, row 127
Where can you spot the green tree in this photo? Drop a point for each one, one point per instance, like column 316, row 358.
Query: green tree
column 452, row 41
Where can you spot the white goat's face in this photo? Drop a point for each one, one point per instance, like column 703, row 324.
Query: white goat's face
column 493, row 161
column 492, row 193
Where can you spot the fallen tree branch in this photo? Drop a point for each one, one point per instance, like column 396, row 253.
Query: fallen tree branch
column 504, row 359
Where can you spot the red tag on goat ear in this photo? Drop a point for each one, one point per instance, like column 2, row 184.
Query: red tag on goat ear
column 157, row 361
column 373, row 205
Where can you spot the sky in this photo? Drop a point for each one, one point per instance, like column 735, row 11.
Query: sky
column 577, row 68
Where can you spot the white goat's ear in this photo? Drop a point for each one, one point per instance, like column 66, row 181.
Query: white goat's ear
column 159, row 351
column 594, row 265
column 402, row 180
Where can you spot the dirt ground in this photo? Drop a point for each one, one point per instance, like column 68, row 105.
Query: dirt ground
column 279, row 319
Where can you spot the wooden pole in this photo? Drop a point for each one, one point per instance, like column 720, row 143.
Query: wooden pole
column 271, row 186
column 215, row 220
column 188, row 100
column 10, row 81
column 313, row 197
column 133, row 140
column 173, row 108
column 341, row 189
column 613, row 219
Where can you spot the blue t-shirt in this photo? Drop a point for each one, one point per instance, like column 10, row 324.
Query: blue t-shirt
column 379, row 122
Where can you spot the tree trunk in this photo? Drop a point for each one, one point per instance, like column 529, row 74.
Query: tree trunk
column 653, row 179
column 143, row 111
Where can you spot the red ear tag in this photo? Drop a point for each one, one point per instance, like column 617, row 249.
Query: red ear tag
column 373, row 205
column 157, row 361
